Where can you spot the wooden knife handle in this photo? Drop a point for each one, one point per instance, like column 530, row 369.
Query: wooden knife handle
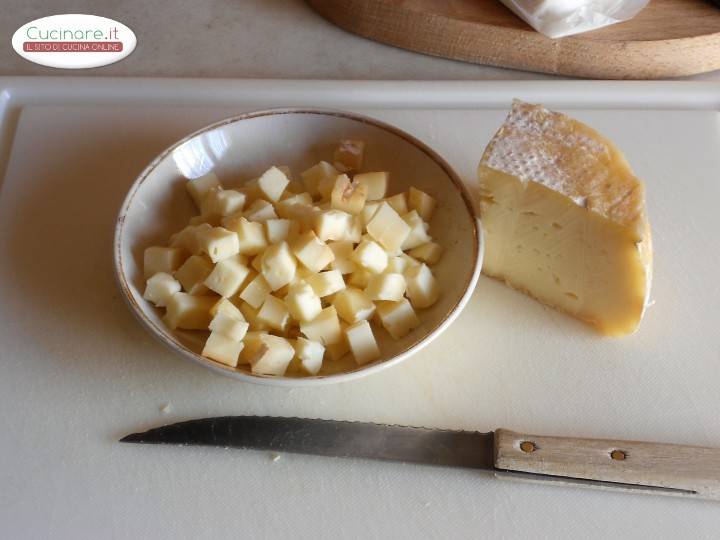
column 686, row 470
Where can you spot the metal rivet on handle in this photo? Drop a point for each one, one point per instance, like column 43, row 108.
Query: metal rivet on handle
column 618, row 455
column 527, row 447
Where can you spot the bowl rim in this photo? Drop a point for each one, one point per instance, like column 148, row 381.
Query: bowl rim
column 360, row 371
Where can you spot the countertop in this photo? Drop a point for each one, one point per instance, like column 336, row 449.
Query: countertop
column 276, row 39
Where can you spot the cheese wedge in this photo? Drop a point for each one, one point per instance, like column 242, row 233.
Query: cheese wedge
column 564, row 219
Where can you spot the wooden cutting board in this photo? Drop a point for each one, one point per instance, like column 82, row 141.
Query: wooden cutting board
column 669, row 38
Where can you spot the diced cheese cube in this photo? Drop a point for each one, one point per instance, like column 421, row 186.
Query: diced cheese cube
column 398, row 203
column 360, row 278
column 348, row 196
column 386, row 287
column 260, row 210
column 362, row 342
column 218, row 243
column 342, row 261
column 222, row 202
column 348, row 156
column 303, row 303
column 388, row 228
column 312, row 252
column 325, row 187
column 303, row 198
column 199, row 187
column 310, row 354
column 226, row 307
column 272, row 183
column 301, row 274
column 369, row 211
column 187, row 239
column 252, row 344
column 353, row 305
column 326, row 283
column 333, row 225
column 228, row 276
column 256, row 291
column 273, row 355
column 316, row 173
column 338, row 350
column 229, row 326
column 250, row 234
column 422, row 202
column 422, row 287
column 396, row 265
column 429, row 253
column 303, row 215
column 277, row 230
column 355, row 232
column 375, row 182
column 188, row 311
column 278, row 265
column 325, row 328
column 193, row 273
column 418, row 233
column 222, row 349
column 398, row 318
column 274, row 313
column 370, row 256
column 251, row 191
column 160, row 287
column 251, row 316
column 162, row 259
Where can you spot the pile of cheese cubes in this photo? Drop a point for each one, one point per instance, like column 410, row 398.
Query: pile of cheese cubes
column 288, row 274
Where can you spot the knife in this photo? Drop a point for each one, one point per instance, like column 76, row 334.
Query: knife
column 634, row 466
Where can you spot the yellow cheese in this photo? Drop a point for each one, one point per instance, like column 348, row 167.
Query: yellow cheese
column 564, row 219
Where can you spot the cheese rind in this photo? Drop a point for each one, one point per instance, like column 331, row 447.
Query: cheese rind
column 564, row 219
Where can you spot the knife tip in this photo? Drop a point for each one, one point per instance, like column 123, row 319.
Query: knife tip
column 132, row 438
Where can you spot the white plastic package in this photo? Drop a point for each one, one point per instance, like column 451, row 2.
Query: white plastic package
column 559, row 18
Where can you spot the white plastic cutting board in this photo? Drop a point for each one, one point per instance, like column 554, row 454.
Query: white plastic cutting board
column 78, row 372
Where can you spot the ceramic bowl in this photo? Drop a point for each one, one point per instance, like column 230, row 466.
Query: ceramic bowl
column 241, row 148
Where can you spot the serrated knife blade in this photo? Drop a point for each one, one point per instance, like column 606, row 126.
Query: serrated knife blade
column 330, row 438
column 669, row 469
